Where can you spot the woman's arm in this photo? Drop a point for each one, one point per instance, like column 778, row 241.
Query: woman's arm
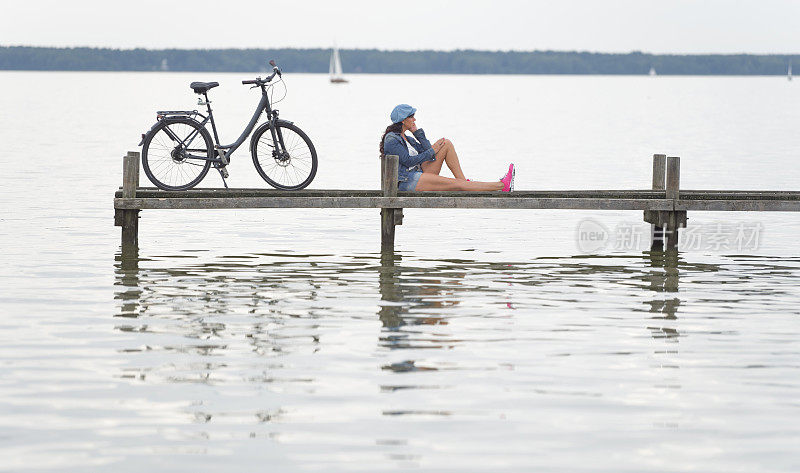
column 423, row 140
column 394, row 144
column 422, row 145
column 427, row 144
column 419, row 134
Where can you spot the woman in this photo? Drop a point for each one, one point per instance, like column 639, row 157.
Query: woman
column 421, row 163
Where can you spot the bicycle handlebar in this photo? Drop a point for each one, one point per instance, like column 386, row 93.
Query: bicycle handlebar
column 275, row 68
column 260, row 81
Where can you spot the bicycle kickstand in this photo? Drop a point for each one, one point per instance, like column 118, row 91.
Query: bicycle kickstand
column 223, row 174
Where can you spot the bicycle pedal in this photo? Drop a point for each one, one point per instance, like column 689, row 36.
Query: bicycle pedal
column 224, row 172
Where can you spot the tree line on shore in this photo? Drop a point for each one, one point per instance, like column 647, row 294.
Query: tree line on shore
column 396, row 62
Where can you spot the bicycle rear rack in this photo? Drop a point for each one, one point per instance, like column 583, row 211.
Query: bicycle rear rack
column 173, row 113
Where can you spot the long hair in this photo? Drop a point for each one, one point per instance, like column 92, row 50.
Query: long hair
column 393, row 128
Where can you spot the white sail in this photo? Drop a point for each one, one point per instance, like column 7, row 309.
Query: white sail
column 789, row 72
column 335, row 69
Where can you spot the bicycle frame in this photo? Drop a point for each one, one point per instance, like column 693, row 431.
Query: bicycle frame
column 263, row 106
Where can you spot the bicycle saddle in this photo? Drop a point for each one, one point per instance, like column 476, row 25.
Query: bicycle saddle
column 200, row 87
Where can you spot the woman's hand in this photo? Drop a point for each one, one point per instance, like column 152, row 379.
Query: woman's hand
column 438, row 145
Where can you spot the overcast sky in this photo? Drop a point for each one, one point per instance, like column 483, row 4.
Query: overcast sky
column 658, row 26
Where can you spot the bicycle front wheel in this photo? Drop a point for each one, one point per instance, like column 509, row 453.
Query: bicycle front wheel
column 287, row 162
column 176, row 154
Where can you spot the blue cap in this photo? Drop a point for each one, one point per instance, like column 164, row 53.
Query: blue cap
column 401, row 112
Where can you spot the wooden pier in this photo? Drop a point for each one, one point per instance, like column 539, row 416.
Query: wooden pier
column 665, row 205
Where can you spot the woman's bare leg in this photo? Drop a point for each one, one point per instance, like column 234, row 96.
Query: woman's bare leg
column 447, row 154
column 434, row 182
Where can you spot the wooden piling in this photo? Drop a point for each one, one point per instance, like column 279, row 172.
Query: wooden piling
column 666, row 223
column 389, row 171
column 659, row 177
column 675, row 219
column 673, row 177
column 126, row 218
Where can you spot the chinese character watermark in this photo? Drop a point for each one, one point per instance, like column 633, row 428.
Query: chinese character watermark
column 721, row 237
column 628, row 236
column 593, row 237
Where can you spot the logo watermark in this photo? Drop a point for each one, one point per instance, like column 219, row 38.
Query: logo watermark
column 594, row 237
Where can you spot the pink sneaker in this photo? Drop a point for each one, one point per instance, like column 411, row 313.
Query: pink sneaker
column 508, row 179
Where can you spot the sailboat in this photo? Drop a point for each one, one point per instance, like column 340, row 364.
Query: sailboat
column 789, row 72
column 652, row 71
column 335, row 69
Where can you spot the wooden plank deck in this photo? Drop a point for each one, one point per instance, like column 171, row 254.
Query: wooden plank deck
column 696, row 200
column 665, row 206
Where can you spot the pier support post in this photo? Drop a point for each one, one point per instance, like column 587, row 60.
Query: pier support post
column 675, row 219
column 652, row 216
column 664, row 224
column 389, row 216
column 128, row 219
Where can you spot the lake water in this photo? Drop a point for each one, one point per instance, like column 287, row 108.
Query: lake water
column 283, row 340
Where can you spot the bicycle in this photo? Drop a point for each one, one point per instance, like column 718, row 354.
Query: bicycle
column 177, row 151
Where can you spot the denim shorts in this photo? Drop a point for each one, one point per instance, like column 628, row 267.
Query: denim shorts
column 411, row 183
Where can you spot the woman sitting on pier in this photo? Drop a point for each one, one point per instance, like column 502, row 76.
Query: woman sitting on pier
column 421, row 163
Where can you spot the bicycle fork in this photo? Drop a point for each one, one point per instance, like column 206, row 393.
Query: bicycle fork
column 277, row 138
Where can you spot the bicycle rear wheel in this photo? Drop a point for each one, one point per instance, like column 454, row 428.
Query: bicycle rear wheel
column 176, row 154
column 292, row 169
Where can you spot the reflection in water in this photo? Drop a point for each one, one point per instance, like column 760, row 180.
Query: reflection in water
column 284, row 302
column 414, row 299
column 663, row 279
column 128, row 279
column 289, row 332
column 411, row 296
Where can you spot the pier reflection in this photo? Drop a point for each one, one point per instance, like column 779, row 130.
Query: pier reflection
column 413, row 297
column 272, row 305
column 127, row 280
column 663, row 279
column 407, row 297
column 194, row 296
column 295, row 326
column 195, row 307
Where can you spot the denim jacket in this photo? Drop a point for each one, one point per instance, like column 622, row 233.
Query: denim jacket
column 394, row 144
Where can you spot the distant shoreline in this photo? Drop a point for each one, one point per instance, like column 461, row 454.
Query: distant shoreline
column 356, row 74
column 26, row 58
